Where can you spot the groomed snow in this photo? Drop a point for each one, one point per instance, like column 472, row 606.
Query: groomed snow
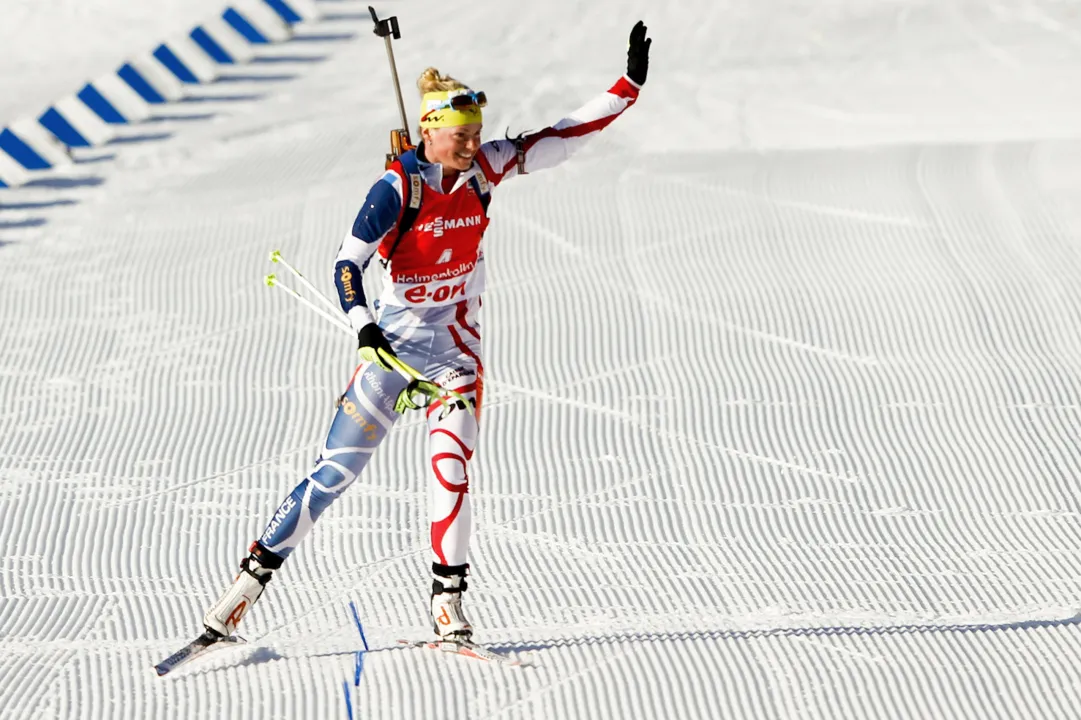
column 51, row 48
column 784, row 377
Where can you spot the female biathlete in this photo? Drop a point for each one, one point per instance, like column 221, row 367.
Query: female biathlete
column 425, row 218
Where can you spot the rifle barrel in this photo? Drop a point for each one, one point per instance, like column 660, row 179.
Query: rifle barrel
column 397, row 86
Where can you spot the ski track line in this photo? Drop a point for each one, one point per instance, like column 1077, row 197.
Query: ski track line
column 216, row 476
column 373, row 569
column 673, row 435
column 668, row 304
column 547, row 689
column 838, row 212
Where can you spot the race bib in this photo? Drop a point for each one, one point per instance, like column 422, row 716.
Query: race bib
column 446, row 287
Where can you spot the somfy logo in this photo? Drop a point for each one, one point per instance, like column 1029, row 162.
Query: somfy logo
column 347, row 284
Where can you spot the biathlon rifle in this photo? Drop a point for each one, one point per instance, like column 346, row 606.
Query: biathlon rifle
column 387, row 28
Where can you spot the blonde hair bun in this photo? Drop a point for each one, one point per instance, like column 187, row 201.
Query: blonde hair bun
column 431, row 80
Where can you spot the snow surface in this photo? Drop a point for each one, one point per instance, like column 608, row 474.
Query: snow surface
column 51, row 48
column 785, row 378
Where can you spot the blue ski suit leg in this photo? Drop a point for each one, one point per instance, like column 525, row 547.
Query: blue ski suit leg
column 444, row 344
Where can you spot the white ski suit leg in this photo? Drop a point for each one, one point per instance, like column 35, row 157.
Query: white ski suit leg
column 452, row 439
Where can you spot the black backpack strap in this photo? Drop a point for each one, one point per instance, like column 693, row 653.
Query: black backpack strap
column 412, row 192
column 520, row 152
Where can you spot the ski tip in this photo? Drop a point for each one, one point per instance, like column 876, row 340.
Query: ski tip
column 170, row 663
column 466, row 649
column 207, row 641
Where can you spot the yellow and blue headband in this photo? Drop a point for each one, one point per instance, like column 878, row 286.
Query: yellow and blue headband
column 451, row 108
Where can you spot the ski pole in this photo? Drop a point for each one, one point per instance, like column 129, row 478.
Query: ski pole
column 386, row 29
column 421, row 383
column 272, row 281
column 276, row 257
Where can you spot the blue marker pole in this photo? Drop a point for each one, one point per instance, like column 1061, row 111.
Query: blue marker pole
column 360, row 628
column 348, row 699
column 358, row 656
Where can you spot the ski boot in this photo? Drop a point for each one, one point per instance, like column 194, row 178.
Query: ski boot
column 448, row 620
column 230, row 609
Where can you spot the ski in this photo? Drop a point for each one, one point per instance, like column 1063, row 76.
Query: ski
column 199, row 646
column 466, row 648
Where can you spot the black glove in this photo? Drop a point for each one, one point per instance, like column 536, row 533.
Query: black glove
column 638, row 54
column 370, row 340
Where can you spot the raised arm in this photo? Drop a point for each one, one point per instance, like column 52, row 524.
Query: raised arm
column 503, row 159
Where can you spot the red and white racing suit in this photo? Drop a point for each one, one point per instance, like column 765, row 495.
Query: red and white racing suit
column 428, row 311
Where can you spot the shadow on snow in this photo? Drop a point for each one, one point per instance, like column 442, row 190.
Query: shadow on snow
column 857, row 630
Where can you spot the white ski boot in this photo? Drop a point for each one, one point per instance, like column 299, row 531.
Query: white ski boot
column 448, row 620
column 234, row 604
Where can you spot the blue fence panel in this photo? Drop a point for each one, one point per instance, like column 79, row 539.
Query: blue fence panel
column 242, row 26
column 104, row 109
column 139, row 84
column 59, row 126
column 22, row 153
column 287, row 13
column 210, row 47
column 176, row 66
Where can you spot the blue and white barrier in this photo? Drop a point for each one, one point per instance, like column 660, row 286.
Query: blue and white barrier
column 11, row 173
column 222, row 42
column 114, row 101
column 31, row 146
column 76, row 125
column 187, row 61
column 152, row 80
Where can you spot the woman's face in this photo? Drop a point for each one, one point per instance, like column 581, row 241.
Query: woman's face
column 453, row 147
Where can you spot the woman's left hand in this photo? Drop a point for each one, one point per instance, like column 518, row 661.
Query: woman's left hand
column 638, row 54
